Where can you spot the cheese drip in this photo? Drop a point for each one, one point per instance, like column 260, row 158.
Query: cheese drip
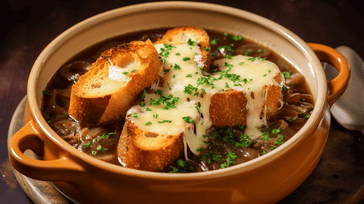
column 184, row 80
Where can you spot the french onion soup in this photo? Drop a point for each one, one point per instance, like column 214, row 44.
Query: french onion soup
column 177, row 100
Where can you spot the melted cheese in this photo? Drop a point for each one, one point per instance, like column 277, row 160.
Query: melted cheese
column 183, row 69
column 118, row 73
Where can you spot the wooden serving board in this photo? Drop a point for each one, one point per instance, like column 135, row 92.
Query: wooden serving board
column 338, row 177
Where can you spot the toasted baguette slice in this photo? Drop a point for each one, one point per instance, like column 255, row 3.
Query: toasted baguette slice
column 181, row 35
column 139, row 149
column 229, row 108
column 101, row 96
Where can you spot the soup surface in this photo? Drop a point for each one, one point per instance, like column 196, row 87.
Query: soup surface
column 225, row 146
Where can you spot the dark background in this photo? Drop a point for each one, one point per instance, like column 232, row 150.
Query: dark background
column 28, row 26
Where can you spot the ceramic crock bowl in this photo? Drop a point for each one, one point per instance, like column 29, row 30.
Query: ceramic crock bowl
column 266, row 179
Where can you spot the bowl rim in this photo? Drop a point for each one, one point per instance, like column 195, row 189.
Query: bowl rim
column 237, row 169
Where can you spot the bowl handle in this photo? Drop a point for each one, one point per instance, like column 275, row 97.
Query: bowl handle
column 337, row 86
column 29, row 137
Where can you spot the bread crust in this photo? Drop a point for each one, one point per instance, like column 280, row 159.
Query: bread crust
column 139, row 149
column 229, row 108
column 114, row 97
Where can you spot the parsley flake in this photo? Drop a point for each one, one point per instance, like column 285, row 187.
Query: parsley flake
column 134, row 115
column 87, row 145
column 286, row 75
column 104, row 136
column 45, row 92
column 186, row 59
column 165, row 121
column 188, row 119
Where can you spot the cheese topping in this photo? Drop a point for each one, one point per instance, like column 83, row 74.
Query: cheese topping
column 181, row 104
column 120, row 73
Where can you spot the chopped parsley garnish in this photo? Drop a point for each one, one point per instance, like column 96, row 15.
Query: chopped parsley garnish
column 182, row 167
column 229, row 160
column 214, row 41
column 245, row 141
column 134, row 115
column 87, row 145
column 293, row 85
column 142, row 104
column 306, row 116
column 186, row 59
column 148, row 109
column 286, row 75
column 248, row 52
column 142, row 96
column 165, row 52
column 265, row 136
column 210, row 156
column 100, row 148
column 276, row 131
column 165, row 121
column 178, row 54
column 291, row 119
column 203, row 90
column 251, row 59
column 237, row 38
column 204, row 80
column 104, row 136
column 241, row 127
column 125, row 73
column 45, row 92
column 191, row 42
column 134, row 70
column 168, row 101
column 189, row 75
column 188, row 119
column 177, row 67
column 148, row 123
column 261, row 59
column 228, row 49
column 189, row 88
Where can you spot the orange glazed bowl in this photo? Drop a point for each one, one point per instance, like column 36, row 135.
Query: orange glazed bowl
column 266, row 179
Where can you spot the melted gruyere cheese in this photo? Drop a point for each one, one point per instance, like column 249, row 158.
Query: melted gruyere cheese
column 184, row 97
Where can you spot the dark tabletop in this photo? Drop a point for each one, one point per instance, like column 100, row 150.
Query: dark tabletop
column 28, row 26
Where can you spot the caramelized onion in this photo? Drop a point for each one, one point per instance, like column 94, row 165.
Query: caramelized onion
column 296, row 79
column 73, row 70
column 301, row 108
column 298, row 97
